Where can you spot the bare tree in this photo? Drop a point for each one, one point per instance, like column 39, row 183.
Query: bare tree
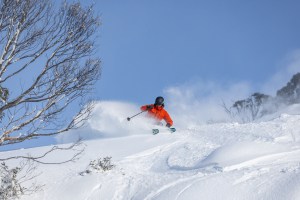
column 249, row 109
column 46, row 64
column 290, row 94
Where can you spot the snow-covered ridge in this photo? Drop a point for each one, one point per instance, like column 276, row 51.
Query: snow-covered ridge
column 259, row 160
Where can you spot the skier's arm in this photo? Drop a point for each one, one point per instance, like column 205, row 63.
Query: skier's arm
column 168, row 119
column 146, row 107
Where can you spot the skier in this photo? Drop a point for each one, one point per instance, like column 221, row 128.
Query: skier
column 157, row 112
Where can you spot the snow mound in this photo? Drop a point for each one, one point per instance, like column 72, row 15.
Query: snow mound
column 258, row 160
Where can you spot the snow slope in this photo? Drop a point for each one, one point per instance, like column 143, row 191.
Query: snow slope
column 259, row 160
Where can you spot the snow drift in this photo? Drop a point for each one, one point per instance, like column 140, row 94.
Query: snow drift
column 259, row 160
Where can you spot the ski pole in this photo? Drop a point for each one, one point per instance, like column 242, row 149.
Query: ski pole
column 129, row 118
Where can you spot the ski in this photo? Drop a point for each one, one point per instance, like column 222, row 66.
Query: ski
column 172, row 130
column 156, row 130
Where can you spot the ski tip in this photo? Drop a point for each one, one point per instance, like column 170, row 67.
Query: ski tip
column 172, row 130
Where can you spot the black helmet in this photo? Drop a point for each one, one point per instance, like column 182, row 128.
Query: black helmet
column 159, row 101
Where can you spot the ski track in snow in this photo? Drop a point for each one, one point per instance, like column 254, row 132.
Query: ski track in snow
column 206, row 172
column 259, row 160
column 201, row 172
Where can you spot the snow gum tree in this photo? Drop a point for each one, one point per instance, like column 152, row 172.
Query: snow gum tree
column 290, row 94
column 47, row 63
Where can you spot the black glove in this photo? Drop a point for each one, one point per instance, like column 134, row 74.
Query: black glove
column 149, row 107
column 168, row 125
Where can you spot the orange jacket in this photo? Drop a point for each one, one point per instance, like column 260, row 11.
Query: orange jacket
column 158, row 113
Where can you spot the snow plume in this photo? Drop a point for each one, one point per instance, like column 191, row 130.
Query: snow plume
column 198, row 102
column 109, row 119
column 189, row 105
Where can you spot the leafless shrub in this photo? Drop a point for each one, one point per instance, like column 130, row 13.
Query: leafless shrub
column 99, row 165
column 17, row 181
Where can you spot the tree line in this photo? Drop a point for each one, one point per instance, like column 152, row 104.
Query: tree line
column 258, row 104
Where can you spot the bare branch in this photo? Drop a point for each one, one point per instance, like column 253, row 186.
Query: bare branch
column 77, row 147
column 57, row 47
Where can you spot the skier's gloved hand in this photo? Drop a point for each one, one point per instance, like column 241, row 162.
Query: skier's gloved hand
column 168, row 125
column 149, row 107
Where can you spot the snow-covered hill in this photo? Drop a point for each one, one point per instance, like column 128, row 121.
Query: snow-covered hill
column 259, row 160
